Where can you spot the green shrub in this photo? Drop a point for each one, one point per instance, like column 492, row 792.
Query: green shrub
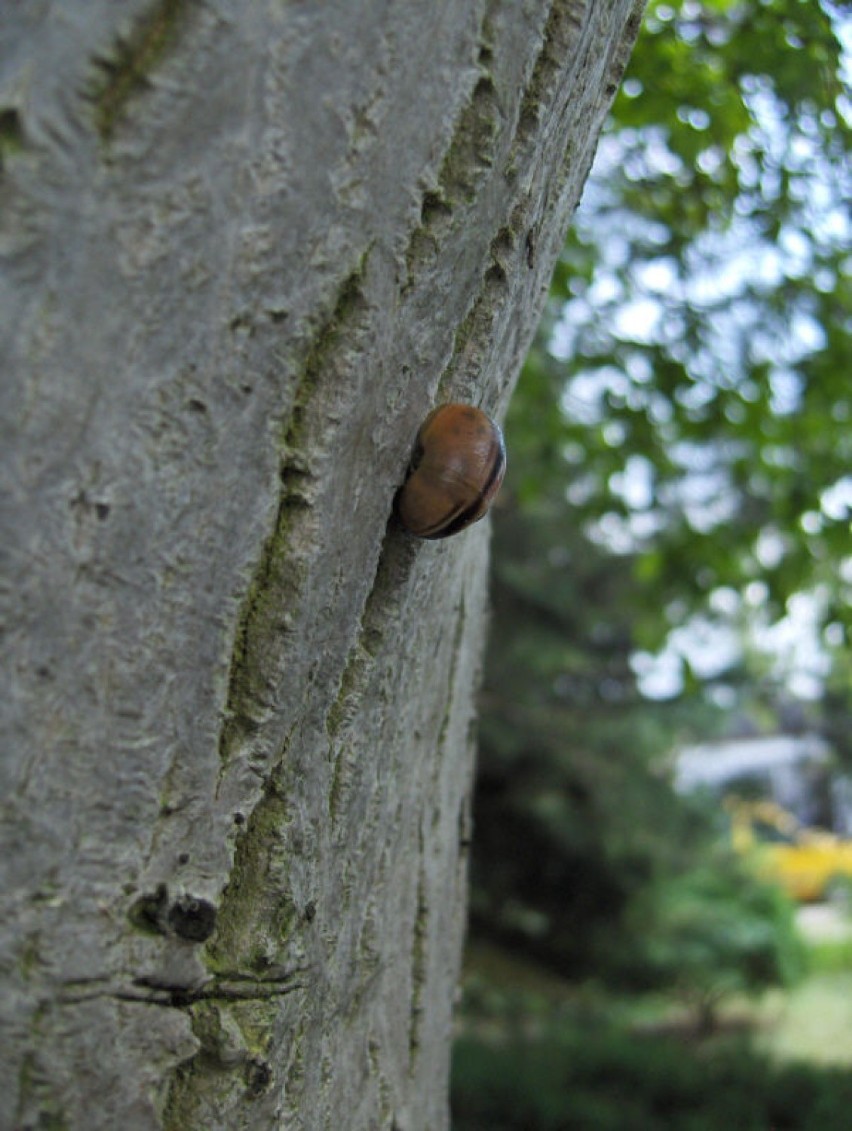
column 720, row 930
column 609, row 1079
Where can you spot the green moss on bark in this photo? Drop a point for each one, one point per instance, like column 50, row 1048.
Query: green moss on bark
column 125, row 72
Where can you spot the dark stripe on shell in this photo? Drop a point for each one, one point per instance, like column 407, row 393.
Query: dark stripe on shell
column 459, row 518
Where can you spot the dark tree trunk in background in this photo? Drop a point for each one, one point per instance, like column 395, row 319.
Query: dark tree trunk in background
column 245, row 248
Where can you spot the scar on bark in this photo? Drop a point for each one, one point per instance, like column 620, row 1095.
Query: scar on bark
column 276, row 581
column 124, row 71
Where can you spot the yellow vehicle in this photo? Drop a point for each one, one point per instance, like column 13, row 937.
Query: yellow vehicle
column 810, row 864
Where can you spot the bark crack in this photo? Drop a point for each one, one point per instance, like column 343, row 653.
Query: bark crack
column 379, row 609
column 266, row 621
column 149, row 991
column 564, row 28
column 418, row 966
column 469, row 156
column 513, row 246
column 126, row 70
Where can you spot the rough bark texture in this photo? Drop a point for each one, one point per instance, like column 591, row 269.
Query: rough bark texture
column 245, row 247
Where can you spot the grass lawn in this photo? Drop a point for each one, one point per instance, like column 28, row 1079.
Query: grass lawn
column 812, row 1022
column 535, row 1051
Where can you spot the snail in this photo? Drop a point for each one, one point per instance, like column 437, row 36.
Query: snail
column 456, row 470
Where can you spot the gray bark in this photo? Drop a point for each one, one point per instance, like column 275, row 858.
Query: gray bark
column 245, row 248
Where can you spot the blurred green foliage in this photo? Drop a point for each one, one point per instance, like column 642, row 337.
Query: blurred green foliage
column 697, row 336
column 591, row 1076
column 683, row 425
column 719, row 933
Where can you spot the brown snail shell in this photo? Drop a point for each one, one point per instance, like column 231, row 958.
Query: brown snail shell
column 456, row 470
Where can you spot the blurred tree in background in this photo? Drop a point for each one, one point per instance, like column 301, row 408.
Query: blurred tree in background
column 698, row 335
column 681, row 444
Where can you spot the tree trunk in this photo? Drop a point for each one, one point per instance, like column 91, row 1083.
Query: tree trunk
column 245, row 248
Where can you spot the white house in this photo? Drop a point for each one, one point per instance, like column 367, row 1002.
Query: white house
column 796, row 771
